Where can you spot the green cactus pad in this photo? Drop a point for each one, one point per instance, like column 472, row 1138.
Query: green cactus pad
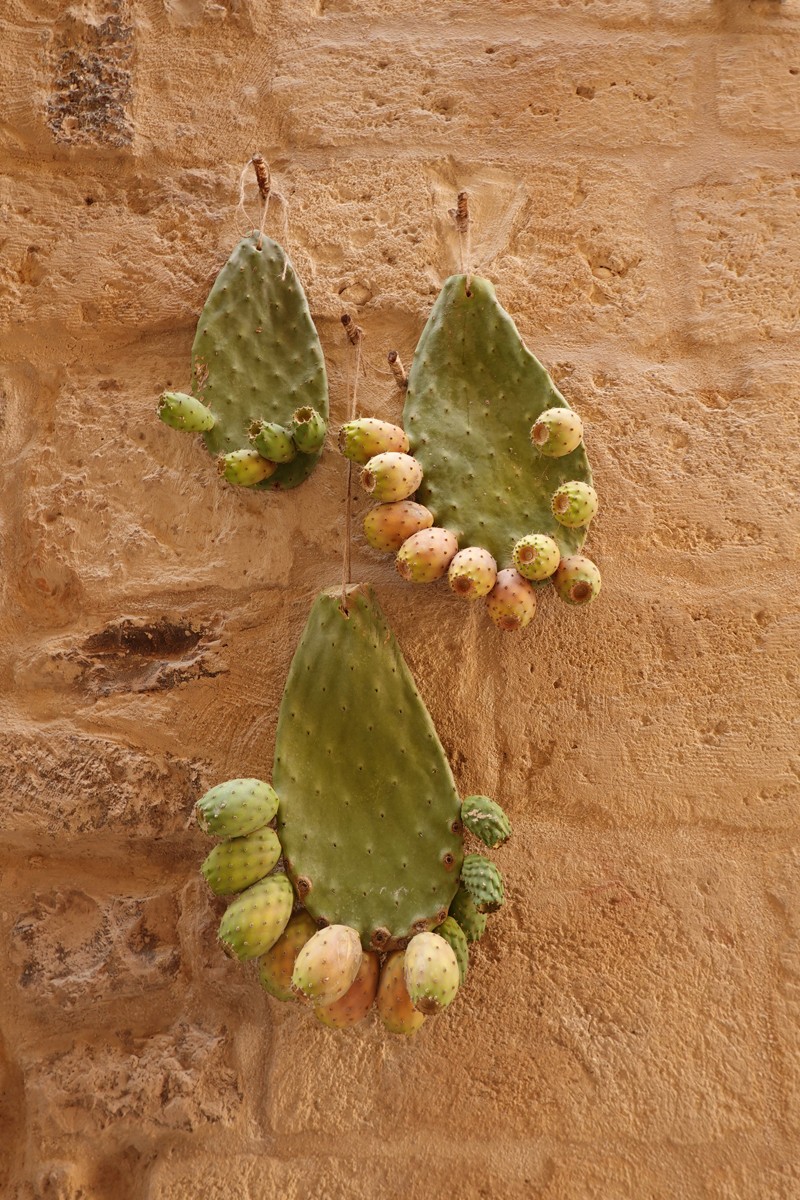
column 369, row 813
column 486, row 820
column 484, row 883
column 455, row 937
column 256, row 355
column 474, row 392
column 464, row 912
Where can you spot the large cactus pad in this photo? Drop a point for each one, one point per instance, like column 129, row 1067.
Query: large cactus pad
column 256, row 354
column 369, row 815
column 474, row 391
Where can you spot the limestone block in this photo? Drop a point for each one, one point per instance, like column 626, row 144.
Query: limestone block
column 759, row 87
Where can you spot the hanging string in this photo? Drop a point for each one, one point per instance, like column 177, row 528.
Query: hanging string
column 463, row 222
column 266, row 192
column 355, row 335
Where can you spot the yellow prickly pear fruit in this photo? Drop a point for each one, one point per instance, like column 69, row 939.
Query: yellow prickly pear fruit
column 389, row 477
column 276, row 966
column 361, row 440
column 394, row 1003
column 327, row 965
column 472, row 573
column 577, row 580
column 536, row 556
column 358, row 1000
column 512, row 601
column 245, row 467
column 389, row 525
column 425, row 556
column 432, row 974
column 557, row 432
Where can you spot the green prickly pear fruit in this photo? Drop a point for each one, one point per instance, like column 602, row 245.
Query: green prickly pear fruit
column 389, row 477
column 464, row 912
column 536, row 556
column 361, row 440
column 472, row 573
column 235, row 864
column 577, row 580
column 245, row 467
column 393, row 1001
column 557, row 432
column 308, row 430
column 574, row 504
column 431, row 970
column 180, row 411
column 486, row 820
column 389, row 525
column 327, row 965
column 426, row 555
column 276, row 966
column 512, row 601
column 358, row 999
column 484, row 883
column 272, row 441
column 453, row 934
column 236, row 808
column 257, row 917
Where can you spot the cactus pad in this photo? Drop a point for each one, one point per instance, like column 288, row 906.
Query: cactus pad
column 484, row 883
column 369, row 815
column 464, row 912
column 486, row 819
column 474, row 393
column 256, row 355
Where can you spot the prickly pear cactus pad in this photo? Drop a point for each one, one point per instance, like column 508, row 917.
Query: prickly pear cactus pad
column 256, row 355
column 474, row 394
column 369, row 816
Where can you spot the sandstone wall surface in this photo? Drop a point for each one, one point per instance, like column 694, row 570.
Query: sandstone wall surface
column 629, row 1029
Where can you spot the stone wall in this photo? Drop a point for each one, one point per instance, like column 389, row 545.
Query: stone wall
column 629, row 1026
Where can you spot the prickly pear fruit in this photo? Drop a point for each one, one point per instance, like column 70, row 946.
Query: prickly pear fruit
column 431, row 970
column 484, row 883
column 272, row 441
column 574, row 504
column 361, row 440
column 233, row 865
column 327, row 965
column 308, row 430
column 245, row 467
column 236, row 808
column 472, row 573
column 426, row 555
column 257, row 917
column 557, row 432
column 388, row 525
column 486, row 820
column 357, row 1001
column 577, row 580
column 453, row 934
column 512, row 600
column 536, row 556
column 276, row 966
column 391, row 476
column 394, row 1003
column 180, row 411
column 464, row 912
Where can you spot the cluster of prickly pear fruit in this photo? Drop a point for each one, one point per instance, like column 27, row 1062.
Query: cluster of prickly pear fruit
column 261, row 392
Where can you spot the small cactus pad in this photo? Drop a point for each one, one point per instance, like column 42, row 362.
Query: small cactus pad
column 276, row 966
column 257, row 918
column 486, row 820
column 184, row 412
column 369, row 816
column 484, row 883
column 463, row 911
column 393, row 1001
column 328, row 964
column 474, row 392
column 455, row 937
column 256, row 354
column 358, row 1000
column 236, row 808
column 432, row 973
column 235, row 864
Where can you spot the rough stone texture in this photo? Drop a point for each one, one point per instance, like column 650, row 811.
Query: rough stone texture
column 629, row 1026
